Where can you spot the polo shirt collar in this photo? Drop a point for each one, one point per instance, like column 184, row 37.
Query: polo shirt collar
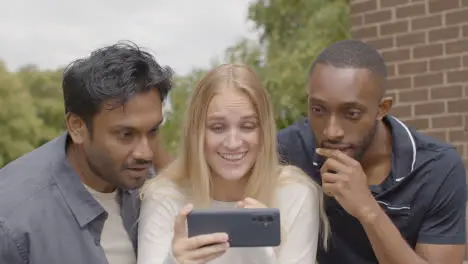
column 403, row 148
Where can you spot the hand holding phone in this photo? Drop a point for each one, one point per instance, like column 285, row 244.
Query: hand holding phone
column 248, row 225
column 250, row 203
column 196, row 249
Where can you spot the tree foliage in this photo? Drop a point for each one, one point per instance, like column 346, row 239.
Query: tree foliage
column 20, row 126
column 179, row 97
column 45, row 88
column 293, row 32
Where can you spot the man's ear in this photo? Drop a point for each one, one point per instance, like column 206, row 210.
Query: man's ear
column 76, row 128
column 384, row 107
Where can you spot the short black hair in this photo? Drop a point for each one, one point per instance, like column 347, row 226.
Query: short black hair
column 352, row 54
column 116, row 72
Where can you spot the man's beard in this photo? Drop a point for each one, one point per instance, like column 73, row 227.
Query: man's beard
column 366, row 142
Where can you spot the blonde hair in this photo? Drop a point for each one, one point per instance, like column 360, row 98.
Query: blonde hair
column 190, row 171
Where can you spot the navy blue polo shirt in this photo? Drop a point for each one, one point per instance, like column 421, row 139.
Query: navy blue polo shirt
column 424, row 195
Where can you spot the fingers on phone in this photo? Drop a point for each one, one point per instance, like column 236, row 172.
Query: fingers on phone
column 211, row 252
column 249, row 200
column 208, row 239
column 186, row 210
column 180, row 228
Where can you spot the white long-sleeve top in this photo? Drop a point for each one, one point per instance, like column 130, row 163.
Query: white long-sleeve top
column 299, row 207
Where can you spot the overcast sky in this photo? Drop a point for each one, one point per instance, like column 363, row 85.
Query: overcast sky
column 180, row 33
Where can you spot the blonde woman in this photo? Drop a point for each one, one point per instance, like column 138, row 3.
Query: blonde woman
column 228, row 158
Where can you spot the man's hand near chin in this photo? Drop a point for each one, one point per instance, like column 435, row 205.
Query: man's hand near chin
column 344, row 179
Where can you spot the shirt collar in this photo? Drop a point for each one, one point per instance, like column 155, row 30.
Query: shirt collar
column 403, row 148
column 82, row 204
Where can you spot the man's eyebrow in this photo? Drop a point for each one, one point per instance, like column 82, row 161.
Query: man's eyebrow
column 128, row 127
column 315, row 99
column 343, row 104
column 353, row 104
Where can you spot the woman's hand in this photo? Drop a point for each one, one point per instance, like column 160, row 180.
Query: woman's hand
column 250, row 203
column 199, row 249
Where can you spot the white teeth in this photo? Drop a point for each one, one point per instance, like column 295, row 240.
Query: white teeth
column 232, row 157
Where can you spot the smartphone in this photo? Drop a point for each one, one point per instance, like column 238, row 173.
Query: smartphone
column 246, row 227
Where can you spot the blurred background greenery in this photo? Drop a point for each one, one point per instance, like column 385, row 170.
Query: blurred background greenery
column 293, row 32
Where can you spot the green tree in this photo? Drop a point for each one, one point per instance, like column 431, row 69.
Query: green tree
column 20, row 127
column 179, row 98
column 293, row 33
column 245, row 51
column 45, row 87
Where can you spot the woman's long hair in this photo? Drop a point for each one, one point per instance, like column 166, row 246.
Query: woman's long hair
column 190, row 171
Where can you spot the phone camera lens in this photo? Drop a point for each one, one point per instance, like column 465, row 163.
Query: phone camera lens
column 270, row 218
column 261, row 219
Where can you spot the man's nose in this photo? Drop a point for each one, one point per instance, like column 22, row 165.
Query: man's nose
column 333, row 130
column 143, row 150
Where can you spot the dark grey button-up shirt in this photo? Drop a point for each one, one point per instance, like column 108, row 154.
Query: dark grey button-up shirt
column 48, row 216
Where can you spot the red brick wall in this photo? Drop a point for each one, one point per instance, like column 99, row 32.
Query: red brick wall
column 425, row 44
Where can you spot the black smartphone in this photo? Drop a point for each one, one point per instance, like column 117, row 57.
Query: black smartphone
column 246, row 227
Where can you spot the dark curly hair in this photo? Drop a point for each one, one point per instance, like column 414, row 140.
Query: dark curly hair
column 117, row 73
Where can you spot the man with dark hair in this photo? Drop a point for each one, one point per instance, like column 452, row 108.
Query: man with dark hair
column 393, row 195
column 75, row 199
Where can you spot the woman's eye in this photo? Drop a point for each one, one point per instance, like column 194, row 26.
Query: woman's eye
column 249, row 126
column 217, row 129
